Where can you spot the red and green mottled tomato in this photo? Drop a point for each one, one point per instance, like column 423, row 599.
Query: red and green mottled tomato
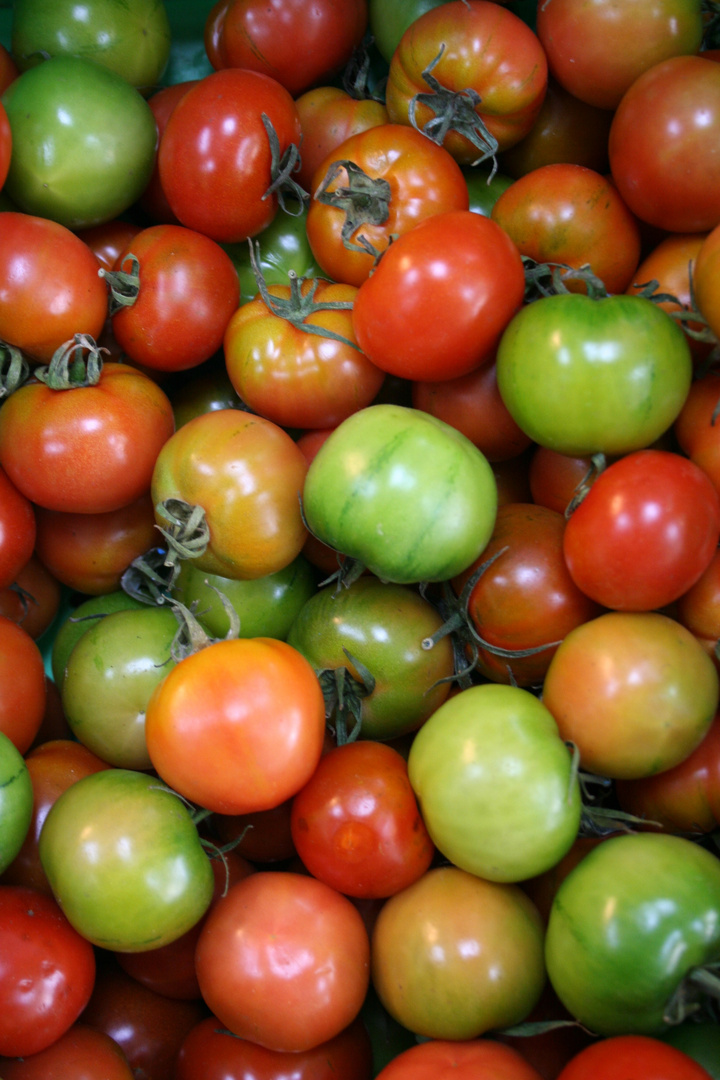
column 454, row 955
column 585, row 376
column 16, row 801
column 628, row 926
column 485, row 48
column 402, row 492
column 495, row 783
column 124, row 861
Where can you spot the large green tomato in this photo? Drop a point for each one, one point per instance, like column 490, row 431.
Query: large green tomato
column 402, row 492
column 495, row 783
column 583, row 376
column 626, row 927
column 124, row 861
column 16, row 801
column 79, row 620
column 83, row 142
column 130, row 37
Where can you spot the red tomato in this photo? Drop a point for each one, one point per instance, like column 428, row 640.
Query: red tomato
column 555, row 477
column 108, row 240
column 153, row 199
column 49, row 286
column 696, row 428
column 440, row 297
column 81, row 1053
column 440, row 1060
column 645, row 531
column 17, row 530
column 329, row 116
column 187, row 290
column 33, row 600
column 47, row 971
column 262, row 837
column 283, row 960
column 298, row 42
column 356, row 823
column 699, row 608
column 238, row 726
column 707, row 294
column 22, row 685
column 215, row 157
column 485, row 49
column 8, row 69
column 639, row 1056
column 569, row 214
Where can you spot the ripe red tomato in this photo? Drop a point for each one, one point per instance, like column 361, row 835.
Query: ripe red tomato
column 153, row 199
column 329, row 116
column 283, row 960
column 699, row 608
column 705, row 279
column 441, row 1060
column 641, row 1056
column 17, row 530
column 82, row 1052
column 696, row 428
column 108, row 240
column 22, row 685
column 33, row 600
column 555, row 477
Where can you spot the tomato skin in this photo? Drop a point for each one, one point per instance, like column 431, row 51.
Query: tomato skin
column 487, row 49
column 648, row 1058
column 412, row 319
column 695, row 428
column 283, row 959
column 441, row 1060
column 47, row 968
column 644, row 533
column 329, row 116
column 16, row 802
column 5, row 143
column 463, row 797
column 49, row 286
column 257, row 697
column 116, row 428
column 81, row 1052
column 18, row 530
column 454, row 955
column 672, row 263
column 705, row 276
column 22, row 679
column 554, row 477
column 214, row 157
column 699, row 608
column 626, row 926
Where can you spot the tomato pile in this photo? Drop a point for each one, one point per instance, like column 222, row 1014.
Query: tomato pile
column 359, row 526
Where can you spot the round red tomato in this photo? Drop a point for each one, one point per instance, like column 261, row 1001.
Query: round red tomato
column 329, row 116
column 640, row 1056
column 22, row 685
column 153, row 199
column 440, row 297
column 82, row 1052
column 108, row 240
column 283, row 960
column 34, row 599
column 17, row 530
column 705, row 279
column 696, row 428
column 699, row 607
column 441, row 1060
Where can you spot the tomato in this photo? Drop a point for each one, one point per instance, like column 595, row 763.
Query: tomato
column 79, row 619
column 5, row 143
column 454, row 955
column 291, row 375
column 390, row 20
column 17, row 530
column 634, row 691
column 484, row 187
column 83, row 142
column 153, row 199
column 705, row 279
column 186, row 292
column 476, row 49
column 597, row 51
column 114, row 900
column 81, row 1052
column 329, row 116
column 699, row 608
column 260, row 700
column 472, row 404
column 33, row 600
column 526, row 598
column 647, row 1057
column 440, row 297
column 443, row 1060
column 565, row 213
column 263, row 837
column 379, row 183
column 585, row 376
column 660, row 145
column 627, row 927
column 554, row 477
column 696, row 429
column 16, row 801
column 203, row 389
column 108, row 240
column 215, row 158
column 282, row 247
column 247, row 474
column 283, row 960
column 300, row 43
column 378, row 491
column 47, row 971
column 49, row 286
column 645, row 531
column 8, row 68
column 379, row 628
column 700, row 1040
column 22, row 679
column 210, row 1052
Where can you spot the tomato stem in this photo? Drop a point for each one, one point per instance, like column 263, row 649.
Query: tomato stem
column 124, row 284
column 14, row 369
column 282, row 166
column 69, row 368
column 365, row 200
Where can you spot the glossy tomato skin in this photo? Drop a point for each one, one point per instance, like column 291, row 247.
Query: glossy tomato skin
column 660, row 145
column 699, row 608
column 487, row 49
column 634, row 691
column 627, row 925
column 282, row 247
column 16, row 802
column 695, row 429
column 82, row 1052
column 647, row 1057
column 283, row 960
column 428, row 975
column 48, row 971
column 378, row 491
column 49, row 286
column 247, row 474
column 214, row 158
column 18, row 530
column 440, row 298
column 438, row 1059
column 583, row 376
column 705, row 279
column 329, row 116
column 257, row 697
column 470, row 806
column 22, row 681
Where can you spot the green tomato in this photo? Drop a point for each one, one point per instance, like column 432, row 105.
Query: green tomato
column 83, row 142
column 626, row 927
column 495, row 783
column 483, row 188
column 266, row 606
column 125, row 862
column 404, row 493
column 583, row 376
column 81, row 619
column 16, row 801
column 109, row 677
column 389, row 19
column 383, row 627
column 281, row 247
column 700, row 1040
column 130, row 37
